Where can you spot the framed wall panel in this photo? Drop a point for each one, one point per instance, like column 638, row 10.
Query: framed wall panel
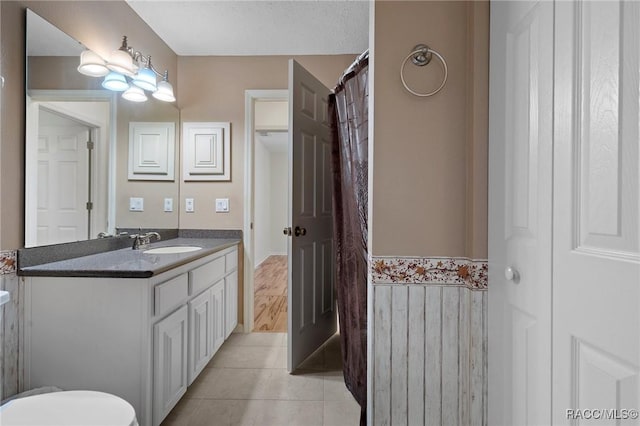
column 151, row 151
column 206, row 151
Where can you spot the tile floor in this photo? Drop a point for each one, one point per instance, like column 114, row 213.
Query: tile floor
column 246, row 383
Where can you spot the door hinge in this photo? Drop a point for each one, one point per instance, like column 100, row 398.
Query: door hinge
column 90, row 145
column 89, row 205
column 251, row 225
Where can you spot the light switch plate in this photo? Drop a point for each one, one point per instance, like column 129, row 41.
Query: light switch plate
column 168, row 204
column 188, row 205
column 222, row 205
column 136, row 204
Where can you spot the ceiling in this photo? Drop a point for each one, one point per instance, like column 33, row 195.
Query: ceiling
column 250, row 27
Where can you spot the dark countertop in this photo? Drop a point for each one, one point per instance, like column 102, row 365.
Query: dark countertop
column 129, row 263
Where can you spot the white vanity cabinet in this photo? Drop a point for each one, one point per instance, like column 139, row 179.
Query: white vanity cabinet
column 200, row 333
column 169, row 362
column 230, row 303
column 143, row 339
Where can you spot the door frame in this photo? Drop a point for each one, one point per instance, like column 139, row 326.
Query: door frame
column 250, row 98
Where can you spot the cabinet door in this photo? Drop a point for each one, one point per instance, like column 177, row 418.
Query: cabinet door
column 217, row 299
column 230, row 303
column 169, row 363
column 200, row 333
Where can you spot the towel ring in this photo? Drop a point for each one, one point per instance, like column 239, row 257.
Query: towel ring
column 421, row 55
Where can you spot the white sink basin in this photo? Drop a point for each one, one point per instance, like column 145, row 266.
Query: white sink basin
column 172, row 250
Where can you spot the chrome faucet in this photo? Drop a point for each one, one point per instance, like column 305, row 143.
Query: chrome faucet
column 142, row 241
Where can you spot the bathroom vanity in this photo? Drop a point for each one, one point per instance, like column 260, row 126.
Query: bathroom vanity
column 138, row 325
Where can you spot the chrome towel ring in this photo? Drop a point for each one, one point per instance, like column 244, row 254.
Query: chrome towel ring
column 421, row 55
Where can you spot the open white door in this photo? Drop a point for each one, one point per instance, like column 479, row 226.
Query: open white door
column 63, row 180
column 596, row 245
column 520, row 155
column 312, row 315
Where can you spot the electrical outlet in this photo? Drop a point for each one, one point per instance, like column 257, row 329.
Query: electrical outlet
column 222, row 205
column 136, row 204
column 188, row 205
column 168, row 204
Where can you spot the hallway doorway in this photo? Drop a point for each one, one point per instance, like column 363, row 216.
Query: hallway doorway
column 270, row 197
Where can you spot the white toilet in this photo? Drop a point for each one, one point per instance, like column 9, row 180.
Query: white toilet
column 68, row 408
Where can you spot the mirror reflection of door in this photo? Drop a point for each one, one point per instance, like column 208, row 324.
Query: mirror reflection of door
column 64, row 179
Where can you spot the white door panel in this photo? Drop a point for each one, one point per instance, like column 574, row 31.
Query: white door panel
column 312, row 317
column 520, row 216
column 63, row 161
column 596, row 298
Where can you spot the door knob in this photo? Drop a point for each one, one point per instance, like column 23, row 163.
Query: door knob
column 287, row 231
column 299, row 231
column 511, row 274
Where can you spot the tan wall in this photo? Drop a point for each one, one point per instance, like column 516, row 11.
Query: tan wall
column 429, row 160
column 213, row 89
column 99, row 26
column 57, row 72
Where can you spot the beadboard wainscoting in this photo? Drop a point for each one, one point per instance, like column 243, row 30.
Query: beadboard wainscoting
column 11, row 314
column 429, row 347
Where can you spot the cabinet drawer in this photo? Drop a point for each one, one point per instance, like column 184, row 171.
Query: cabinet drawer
column 204, row 276
column 170, row 294
column 231, row 260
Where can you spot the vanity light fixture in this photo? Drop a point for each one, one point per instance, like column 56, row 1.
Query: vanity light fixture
column 92, row 65
column 134, row 94
column 128, row 71
column 146, row 77
column 122, row 60
column 165, row 90
column 115, row 81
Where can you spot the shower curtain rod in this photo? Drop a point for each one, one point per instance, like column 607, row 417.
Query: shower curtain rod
column 364, row 55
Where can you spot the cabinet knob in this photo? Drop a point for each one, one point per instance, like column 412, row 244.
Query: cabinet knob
column 511, row 274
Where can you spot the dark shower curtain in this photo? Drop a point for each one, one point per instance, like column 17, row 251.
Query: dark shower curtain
column 349, row 110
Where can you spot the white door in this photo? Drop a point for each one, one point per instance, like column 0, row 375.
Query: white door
column 596, row 244
column 63, row 180
column 312, row 315
column 520, row 155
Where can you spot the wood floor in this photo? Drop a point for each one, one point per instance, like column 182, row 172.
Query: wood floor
column 270, row 299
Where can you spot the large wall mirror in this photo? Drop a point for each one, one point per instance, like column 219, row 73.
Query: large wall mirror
column 77, row 148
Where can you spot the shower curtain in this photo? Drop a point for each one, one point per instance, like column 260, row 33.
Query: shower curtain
column 348, row 112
